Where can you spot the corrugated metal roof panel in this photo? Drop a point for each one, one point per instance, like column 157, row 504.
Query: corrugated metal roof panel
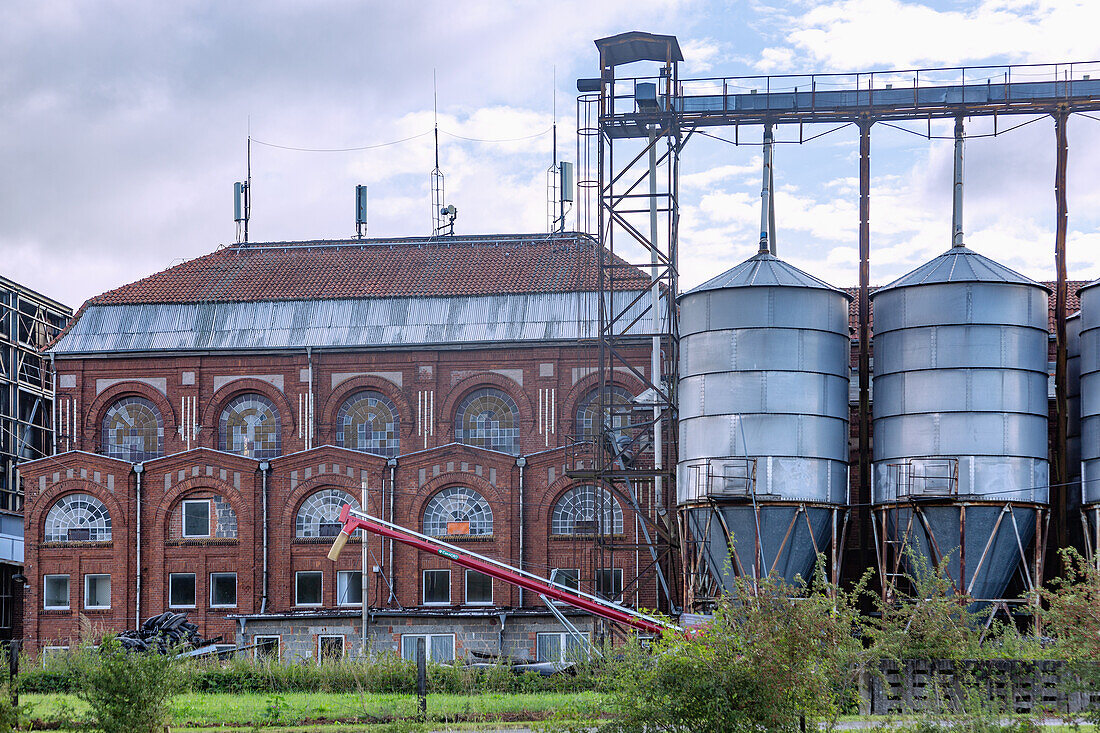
column 343, row 323
column 763, row 270
column 959, row 264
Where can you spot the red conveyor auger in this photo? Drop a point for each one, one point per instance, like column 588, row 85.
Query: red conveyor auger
column 353, row 520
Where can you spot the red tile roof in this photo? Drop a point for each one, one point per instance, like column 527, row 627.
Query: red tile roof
column 423, row 267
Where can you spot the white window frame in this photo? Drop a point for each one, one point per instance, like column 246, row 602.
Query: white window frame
column 196, row 598
column 411, row 638
column 576, row 574
column 88, row 577
column 343, row 644
column 51, row 651
column 223, row 605
column 565, row 637
column 424, row 587
column 340, row 574
column 466, row 589
column 68, row 592
column 183, row 518
column 320, row 594
column 259, row 638
column 616, row 574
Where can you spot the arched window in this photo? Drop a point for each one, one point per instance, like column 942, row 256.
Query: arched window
column 488, row 418
column 78, row 518
column 458, row 511
column 250, row 426
column 319, row 515
column 617, row 408
column 133, row 430
column 587, row 510
column 368, row 422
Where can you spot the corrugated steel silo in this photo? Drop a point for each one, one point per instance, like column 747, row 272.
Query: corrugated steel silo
column 960, row 419
column 1090, row 415
column 763, row 420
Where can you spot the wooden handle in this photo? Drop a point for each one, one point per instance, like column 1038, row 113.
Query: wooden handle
column 338, row 546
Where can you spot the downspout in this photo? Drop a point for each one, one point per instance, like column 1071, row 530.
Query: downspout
column 392, row 463
column 139, row 469
column 265, row 466
column 365, row 548
column 309, row 401
column 53, row 404
column 521, row 462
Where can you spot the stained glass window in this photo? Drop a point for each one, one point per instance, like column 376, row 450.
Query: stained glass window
column 368, row 422
column 78, row 518
column 488, row 418
column 588, row 412
column 587, row 510
column 458, row 511
column 133, row 430
column 319, row 515
column 250, row 426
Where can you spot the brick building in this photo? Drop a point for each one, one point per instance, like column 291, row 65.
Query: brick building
column 212, row 419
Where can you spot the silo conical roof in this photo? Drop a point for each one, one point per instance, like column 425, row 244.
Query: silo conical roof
column 764, row 270
column 959, row 265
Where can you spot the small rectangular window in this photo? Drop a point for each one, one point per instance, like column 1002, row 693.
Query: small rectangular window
column 55, row 595
column 569, row 578
column 437, row 647
column 223, row 590
column 97, row 591
column 267, row 647
column 78, row 534
column 559, row 647
column 479, row 589
column 196, row 518
column 307, row 588
column 330, row 648
column 349, row 588
column 609, row 583
column 437, row 587
column 181, row 590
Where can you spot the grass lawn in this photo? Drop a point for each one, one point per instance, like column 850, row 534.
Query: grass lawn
column 289, row 709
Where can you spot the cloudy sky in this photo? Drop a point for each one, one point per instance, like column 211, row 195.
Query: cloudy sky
column 123, row 127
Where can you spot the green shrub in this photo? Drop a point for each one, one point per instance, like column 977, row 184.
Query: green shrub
column 773, row 654
column 127, row 692
column 1072, row 615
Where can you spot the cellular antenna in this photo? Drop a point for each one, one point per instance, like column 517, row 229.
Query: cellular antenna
column 439, row 202
column 242, row 200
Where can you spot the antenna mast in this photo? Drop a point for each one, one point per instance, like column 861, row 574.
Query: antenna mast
column 553, row 177
column 242, row 200
column 438, row 192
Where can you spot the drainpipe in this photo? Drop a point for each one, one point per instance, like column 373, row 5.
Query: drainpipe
column 265, row 466
column 53, row 404
column 139, row 469
column 521, row 462
column 309, row 401
column 392, row 463
column 365, row 548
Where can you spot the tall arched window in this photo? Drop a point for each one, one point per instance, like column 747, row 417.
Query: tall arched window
column 319, row 515
column 587, row 510
column 617, row 408
column 368, row 422
column 488, row 418
column 250, row 426
column 133, row 430
column 77, row 518
column 458, row 511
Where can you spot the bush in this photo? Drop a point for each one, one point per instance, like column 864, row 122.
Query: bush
column 127, row 692
column 1072, row 615
column 774, row 653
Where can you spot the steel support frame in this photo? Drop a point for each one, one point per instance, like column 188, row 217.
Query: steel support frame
column 892, row 538
column 632, row 181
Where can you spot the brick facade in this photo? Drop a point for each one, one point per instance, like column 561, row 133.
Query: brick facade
column 547, row 383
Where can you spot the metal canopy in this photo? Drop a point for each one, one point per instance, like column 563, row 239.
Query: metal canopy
column 765, row 270
column 959, row 264
column 626, row 48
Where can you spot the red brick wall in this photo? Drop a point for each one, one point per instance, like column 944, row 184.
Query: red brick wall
column 533, row 376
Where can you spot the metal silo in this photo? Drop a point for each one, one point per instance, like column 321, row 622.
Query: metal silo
column 762, row 478
column 763, row 407
column 960, row 420
column 1089, row 345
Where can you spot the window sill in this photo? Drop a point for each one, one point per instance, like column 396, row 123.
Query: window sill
column 97, row 609
column 57, row 611
column 205, row 542
column 323, row 540
column 464, row 537
column 192, row 608
column 81, row 544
